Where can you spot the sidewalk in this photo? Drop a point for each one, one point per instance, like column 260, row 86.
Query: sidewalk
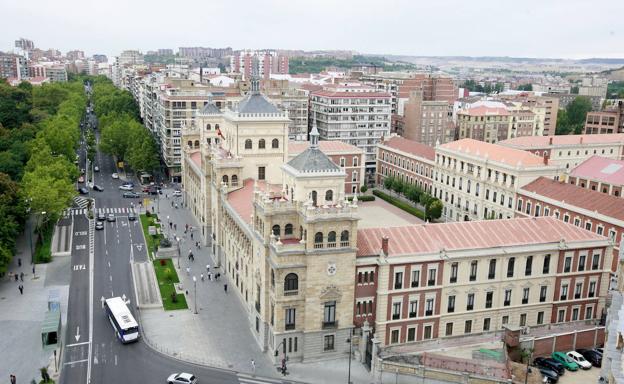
column 220, row 334
column 21, row 316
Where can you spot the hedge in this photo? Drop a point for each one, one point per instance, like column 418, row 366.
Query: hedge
column 363, row 198
column 400, row 204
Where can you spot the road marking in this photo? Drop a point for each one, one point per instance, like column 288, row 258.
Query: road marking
column 110, row 277
column 77, row 333
column 81, row 246
column 109, row 264
column 79, row 267
column 81, row 233
column 77, row 344
column 76, row 362
column 115, row 359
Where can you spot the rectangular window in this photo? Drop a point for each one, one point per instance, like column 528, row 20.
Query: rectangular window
column 473, row 270
column 451, row 304
column 525, row 295
column 543, row 291
column 581, row 263
column 488, row 299
column 449, row 329
column 468, row 326
column 328, row 344
column 578, row 290
column 564, row 292
column 523, row 318
column 261, row 173
column 510, row 266
column 486, row 324
column 567, row 264
column 575, row 314
column 540, row 317
column 470, row 302
column 505, row 320
column 413, row 308
column 588, row 313
column 454, row 267
column 394, row 336
column 546, row 267
column 429, row 307
column 415, row 279
column 398, row 280
column 396, row 311
column 428, row 332
column 431, row 281
column 595, row 261
column 492, row 269
column 592, row 289
column 290, row 318
column 528, row 268
column 507, row 298
column 329, row 314
column 411, row 334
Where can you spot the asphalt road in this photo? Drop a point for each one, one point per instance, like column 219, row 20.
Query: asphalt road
column 94, row 355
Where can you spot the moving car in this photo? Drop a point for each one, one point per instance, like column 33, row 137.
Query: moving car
column 99, row 225
column 594, row 357
column 567, row 362
column 579, row 359
column 111, row 217
column 83, row 191
column 101, row 216
column 131, row 195
column 177, row 192
column 125, row 187
column 96, row 169
column 81, row 179
column 115, row 176
column 548, row 363
column 182, row 378
column 131, row 216
column 97, row 188
column 550, row 375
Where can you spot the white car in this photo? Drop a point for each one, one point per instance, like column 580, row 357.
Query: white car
column 115, row 176
column 96, row 169
column 579, row 359
column 182, row 378
column 126, row 187
column 177, row 192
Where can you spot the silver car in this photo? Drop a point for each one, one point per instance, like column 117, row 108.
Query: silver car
column 182, row 378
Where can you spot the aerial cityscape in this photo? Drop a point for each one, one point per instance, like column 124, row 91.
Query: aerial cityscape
column 312, row 192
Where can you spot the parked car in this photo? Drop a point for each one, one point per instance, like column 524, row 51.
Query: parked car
column 97, row 188
column 579, row 359
column 594, row 357
column 81, row 179
column 101, row 216
column 567, row 362
column 131, row 195
column 182, row 378
column 111, row 217
column 548, row 363
column 125, row 187
column 83, row 191
column 177, row 192
column 115, row 176
column 99, row 225
column 96, row 169
column 131, row 216
column 599, row 350
column 550, row 375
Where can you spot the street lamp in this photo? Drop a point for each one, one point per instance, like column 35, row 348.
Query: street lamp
column 350, row 341
column 178, row 242
column 283, row 368
column 195, row 285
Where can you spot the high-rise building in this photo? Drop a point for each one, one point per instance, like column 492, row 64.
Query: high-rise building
column 24, row 44
column 99, row 58
column 426, row 121
column 13, row 66
column 130, row 57
column 609, row 120
column 268, row 62
column 75, row 55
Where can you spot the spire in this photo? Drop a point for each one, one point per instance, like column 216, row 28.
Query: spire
column 314, row 136
column 255, row 81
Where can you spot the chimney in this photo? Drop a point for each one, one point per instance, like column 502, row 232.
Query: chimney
column 546, row 157
column 550, row 141
column 384, row 245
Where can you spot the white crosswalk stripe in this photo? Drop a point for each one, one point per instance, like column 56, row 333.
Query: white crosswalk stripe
column 249, row 379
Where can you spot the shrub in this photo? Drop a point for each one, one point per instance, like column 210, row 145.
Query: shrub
column 147, row 213
column 165, row 243
column 363, row 198
column 400, row 204
column 363, row 189
column 163, row 262
column 167, row 273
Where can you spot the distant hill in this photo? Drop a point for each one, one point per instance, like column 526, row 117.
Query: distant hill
column 614, row 74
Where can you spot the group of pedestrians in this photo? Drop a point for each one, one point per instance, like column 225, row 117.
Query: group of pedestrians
column 19, row 277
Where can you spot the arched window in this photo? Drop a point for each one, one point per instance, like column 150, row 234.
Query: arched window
column 234, row 180
column 208, row 127
column 291, row 282
column 331, row 237
column 275, row 143
column 261, row 144
column 329, row 195
column 189, row 143
column 288, row 229
column 248, row 144
column 344, row 236
column 196, row 143
column 276, row 230
column 314, row 194
column 318, row 238
column 225, row 179
column 216, row 126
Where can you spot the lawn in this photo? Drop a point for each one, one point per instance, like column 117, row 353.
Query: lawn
column 152, row 241
column 43, row 250
column 165, row 284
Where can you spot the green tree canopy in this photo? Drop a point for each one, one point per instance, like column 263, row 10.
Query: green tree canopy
column 572, row 119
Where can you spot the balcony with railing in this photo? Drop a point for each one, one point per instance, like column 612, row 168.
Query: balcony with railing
column 289, row 327
column 329, row 324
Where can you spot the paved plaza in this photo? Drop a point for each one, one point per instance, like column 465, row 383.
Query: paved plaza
column 380, row 213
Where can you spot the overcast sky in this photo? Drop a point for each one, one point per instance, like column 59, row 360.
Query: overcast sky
column 526, row 28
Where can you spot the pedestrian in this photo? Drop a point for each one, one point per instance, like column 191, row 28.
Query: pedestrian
column 22, row 276
column 21, row 289
column 19, row 262
column 253, row 366
column 191, row 235
column 172, row 204
column 33, row 269
column 170, row 225
column 188, row 271
column 225, row 287
column 13, row 379
column 210, row 276
column 207, row 267
column 175, row 226
column 202, row 277
column 16, row 277
column 218, row 276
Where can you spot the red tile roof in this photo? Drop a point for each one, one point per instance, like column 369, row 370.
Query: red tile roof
column 350, row 94
column 196, row 157
column 601, row 168
column 466, row 235
column 410, row 146
column 495, row 152
column 326, row 146
column 241, row 200
column 580, row 197
column 544, row 141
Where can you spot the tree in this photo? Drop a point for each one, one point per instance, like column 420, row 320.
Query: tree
column 388, row 181
column 47, row 192
column 363, row 189
column 425, row 199
column 572, row 119
column 143, row 153
column 574, row 90
column 526, row 87
column 397, row 185
column 434, row 210
column 15, row 105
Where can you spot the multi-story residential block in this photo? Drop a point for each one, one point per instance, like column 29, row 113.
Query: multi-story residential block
column 567, row 98
column 75, row 55
column 130, row 57
column 292, row 100
column 599, row 174
column 610, row 120
column 592, row 210
column 100, row 58
column 348, row 157
column 203, row 52
column 545, row 107
column 485, row 123
column 477, row 180
column 593, row 86
column 356, row 115
column 269, row 62
column 24, row 44
column 434, row 281
column 570, row 150
column 56, row 73
column 407, row 160
column 13, row 66
column 426, row 121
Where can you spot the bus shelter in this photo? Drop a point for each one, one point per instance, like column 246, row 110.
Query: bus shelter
column 51, row 330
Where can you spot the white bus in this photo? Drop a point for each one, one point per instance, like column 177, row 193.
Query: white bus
column 126, row 328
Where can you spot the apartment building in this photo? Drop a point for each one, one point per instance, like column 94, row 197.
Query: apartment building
column 56, row 73
column 488, row 123
column 130, row 57
column 599, row 174
column 292, row 100
column 13, row 66
column 545, row 107
column 425, row 282
column 204, row 52
column 569, row 151
column 407, row 160
column 348, row 157
column 593, row 211
column 567, row 98
column 269, row 62
column 354, row 114
column 610, row 120
column 426, row 121
column 477, row 180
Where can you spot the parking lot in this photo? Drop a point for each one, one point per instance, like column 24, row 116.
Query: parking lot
column 580, row 377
